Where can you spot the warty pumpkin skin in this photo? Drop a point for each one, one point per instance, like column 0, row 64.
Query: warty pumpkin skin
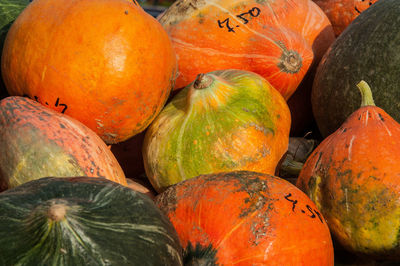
column 342, row 12
column 36, row 142
column 353, row 177
column 84, row 221
column 223, row 121
column 246, row 218
column 258, row 36
column 107, row 63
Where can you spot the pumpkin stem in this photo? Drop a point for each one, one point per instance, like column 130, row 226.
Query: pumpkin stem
column 199, row 255
column 202, row 81
column 291, row 167
column 366, row 94
column 57, row 212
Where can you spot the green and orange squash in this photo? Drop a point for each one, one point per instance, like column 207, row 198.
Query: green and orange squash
column 366, row 50
column 246, row 218
column 36, row 142
column 83, row 221
column 353, row 178
column 224, row 120
column 106, row 63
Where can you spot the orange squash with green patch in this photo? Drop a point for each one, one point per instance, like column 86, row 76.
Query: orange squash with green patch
column 225, row 120
column 246, row 218
column 353, row 177
column 37, row 142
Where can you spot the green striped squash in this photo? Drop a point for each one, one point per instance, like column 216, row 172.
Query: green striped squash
column 83, row 221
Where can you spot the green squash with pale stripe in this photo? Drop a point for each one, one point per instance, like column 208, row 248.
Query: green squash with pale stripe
column 83, row 221
column 223, row 121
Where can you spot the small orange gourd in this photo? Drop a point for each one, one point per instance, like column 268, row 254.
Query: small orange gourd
column 353, row 177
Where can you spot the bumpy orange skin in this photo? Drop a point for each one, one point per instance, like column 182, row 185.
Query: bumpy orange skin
column 106, row 63
column 36, row 142
column 246, row 218
column 249, row 35
column 353, row 177
column 342, row 12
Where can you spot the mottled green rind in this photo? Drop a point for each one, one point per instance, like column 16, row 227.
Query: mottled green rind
column 105, row 224
column 181, row 123
column 367, row 50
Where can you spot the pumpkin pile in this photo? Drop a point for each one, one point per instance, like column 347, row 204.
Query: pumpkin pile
column 214, row 132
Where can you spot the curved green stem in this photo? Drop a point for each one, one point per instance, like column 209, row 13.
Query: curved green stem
column 366, row 94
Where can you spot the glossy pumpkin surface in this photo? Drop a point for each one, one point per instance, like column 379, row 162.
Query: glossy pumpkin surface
column 224, row 120
column 265, row 37
column 342, row 12
column 83, row 221
column 106, row 63
column 352, row 176
column 36, row 142
column 246, row 218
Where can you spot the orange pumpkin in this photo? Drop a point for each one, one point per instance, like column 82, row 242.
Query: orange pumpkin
column 106, row 63
column 246, row 218
column 353, row 177
column 265, row 37
column 342, row 12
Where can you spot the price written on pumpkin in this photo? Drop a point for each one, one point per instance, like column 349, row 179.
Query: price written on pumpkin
column 57, row 103
column 244, row 17
column 308, row 210
column 360, row 9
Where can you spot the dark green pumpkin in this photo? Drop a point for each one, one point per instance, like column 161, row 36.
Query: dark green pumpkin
column 367, row 50
column 83, row 221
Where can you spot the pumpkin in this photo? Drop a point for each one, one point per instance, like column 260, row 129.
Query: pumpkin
column 352, row 177
column 224, row 120
column 106, row 63
column 319, row 34
column 367, row 50
column 259, row 36
column 341, row 13
column 36, row 142
column 246, row 218
column 83, row 221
